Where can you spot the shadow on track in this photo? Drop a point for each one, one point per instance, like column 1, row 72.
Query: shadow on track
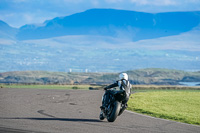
column 55, row 119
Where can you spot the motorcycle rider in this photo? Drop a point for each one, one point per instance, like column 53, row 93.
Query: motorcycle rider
column 123, row 84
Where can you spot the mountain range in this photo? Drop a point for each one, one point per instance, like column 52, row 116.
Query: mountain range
column 115, row 23
column 6, row 31
column 104, row 40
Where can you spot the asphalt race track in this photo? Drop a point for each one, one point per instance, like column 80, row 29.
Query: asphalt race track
column 72, row 111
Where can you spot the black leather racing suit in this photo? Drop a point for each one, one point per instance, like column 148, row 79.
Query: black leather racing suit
column 119, row 84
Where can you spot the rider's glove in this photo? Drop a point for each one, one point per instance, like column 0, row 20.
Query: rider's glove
column 105, row 88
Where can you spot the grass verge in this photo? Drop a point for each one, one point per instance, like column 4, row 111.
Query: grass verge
column 182, row 106
column 84, row 87
column 145, row 88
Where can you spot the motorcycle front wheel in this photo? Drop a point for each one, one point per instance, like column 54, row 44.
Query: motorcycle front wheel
column 115, row 111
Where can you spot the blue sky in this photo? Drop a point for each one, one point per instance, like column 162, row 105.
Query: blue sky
column 20, row 12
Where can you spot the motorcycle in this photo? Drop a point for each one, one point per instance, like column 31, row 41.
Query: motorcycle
column 115, row 107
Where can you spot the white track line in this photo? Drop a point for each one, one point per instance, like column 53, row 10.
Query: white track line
column 159, row 118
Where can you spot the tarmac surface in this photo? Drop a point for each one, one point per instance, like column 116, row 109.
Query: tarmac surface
column 72, row 111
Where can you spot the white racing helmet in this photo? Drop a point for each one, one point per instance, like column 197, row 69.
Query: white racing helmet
column 123, row 76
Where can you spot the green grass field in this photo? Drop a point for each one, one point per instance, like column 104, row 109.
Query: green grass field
column 145, row 88
column 84, row 87
column 182, row 106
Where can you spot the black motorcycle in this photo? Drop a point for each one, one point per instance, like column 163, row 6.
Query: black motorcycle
column 115, row 105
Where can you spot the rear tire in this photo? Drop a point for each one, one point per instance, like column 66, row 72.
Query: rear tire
column 115, row 112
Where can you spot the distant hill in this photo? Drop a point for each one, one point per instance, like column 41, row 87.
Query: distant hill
column 116, row 23
column 141, row 76
column 6, row 31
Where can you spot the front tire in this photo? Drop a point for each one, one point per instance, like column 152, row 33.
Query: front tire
column 115, row 112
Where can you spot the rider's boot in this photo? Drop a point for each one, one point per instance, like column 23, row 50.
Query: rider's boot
column 102, row 107
column 101, row 116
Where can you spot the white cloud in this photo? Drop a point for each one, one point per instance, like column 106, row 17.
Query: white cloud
column 71, row 1
column 28, row 17
column 95, row 2
column 154, row 2
column 113, row 1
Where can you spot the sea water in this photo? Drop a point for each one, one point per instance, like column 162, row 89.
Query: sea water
column 190, row 83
